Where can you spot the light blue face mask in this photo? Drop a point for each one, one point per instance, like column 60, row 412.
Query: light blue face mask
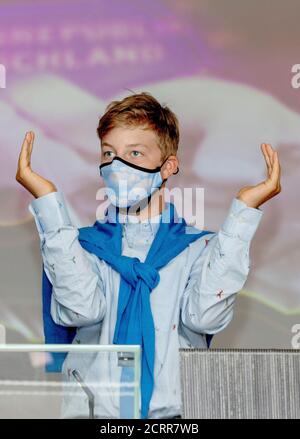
column 128, row 184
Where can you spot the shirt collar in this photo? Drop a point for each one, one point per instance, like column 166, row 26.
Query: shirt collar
column 133, row 219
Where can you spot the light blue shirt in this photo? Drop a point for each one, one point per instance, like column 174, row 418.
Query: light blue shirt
column 195, row 296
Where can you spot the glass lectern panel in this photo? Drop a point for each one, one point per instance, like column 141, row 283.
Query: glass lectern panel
column 69, row 381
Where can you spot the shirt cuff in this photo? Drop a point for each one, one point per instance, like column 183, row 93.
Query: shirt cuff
column 242, row 220
column 50, row 212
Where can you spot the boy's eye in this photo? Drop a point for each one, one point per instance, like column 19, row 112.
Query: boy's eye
column 107, row 152
column 135, row 154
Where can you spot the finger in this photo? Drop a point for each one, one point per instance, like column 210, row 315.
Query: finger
column 278, row 161
column 275, row 175
column 270, row 152
column 267, row 158
column 31, row 142
column 23, row 157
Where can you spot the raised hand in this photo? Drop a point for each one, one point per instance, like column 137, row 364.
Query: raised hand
column 254, row 196
column 33, row 182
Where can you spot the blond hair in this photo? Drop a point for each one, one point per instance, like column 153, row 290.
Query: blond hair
column 144, row 111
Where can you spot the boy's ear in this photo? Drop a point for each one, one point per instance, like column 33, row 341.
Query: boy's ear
column 174, row 160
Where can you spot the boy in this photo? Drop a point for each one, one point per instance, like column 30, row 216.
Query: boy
column 193, row 291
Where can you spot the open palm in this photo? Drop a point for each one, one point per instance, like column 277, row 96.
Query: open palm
column 256, row 195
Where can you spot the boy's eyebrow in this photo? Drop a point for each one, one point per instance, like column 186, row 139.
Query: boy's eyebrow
column 129, row 144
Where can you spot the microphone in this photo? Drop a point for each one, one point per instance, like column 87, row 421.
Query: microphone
column 87, row 391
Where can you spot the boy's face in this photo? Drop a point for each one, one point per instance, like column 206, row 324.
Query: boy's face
column 137, row 146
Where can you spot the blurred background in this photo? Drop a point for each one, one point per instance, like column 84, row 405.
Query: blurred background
column 224, row 67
